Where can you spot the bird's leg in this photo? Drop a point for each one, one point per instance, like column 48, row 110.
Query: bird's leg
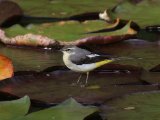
column 87, row 78
column 79, row 78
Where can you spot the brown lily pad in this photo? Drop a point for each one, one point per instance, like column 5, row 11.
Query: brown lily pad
column 10, row 13
column 59, row 83
column 101, row 40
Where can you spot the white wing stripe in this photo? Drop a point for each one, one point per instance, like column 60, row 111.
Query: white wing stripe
column 92, row 55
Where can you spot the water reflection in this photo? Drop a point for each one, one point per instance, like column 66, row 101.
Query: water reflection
column 33, row 59
column 26, row 59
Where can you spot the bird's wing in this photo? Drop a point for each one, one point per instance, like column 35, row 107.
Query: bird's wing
column 87, row 59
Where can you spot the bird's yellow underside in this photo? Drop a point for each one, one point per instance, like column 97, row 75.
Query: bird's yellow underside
column 99, row 64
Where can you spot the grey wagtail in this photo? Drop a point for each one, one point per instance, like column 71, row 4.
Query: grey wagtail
column 82, row 61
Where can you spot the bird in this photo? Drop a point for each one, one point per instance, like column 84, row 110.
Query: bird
column 83, row 61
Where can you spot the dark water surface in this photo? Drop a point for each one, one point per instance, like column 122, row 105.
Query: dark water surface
column 56, row 84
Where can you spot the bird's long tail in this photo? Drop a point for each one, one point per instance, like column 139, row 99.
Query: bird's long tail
column 125, row 58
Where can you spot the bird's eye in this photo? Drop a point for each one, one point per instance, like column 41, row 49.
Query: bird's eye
column 68, row 49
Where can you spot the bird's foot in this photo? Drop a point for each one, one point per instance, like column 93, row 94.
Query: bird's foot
column 74, row 84
column 79, row 84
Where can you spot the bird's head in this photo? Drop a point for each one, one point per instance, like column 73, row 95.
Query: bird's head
column 69, row 49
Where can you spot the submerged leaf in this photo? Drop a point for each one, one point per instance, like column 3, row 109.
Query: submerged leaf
column 6, row 67
column 155, row 69
column 140, row 106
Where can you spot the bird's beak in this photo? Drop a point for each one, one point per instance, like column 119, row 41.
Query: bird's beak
column 60, row 50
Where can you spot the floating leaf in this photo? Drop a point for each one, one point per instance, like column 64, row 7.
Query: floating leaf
column 110, row 27
column 11, row 110
column 6, row 67
column 66, row 32
column 67, row 110
column 109, row 37
column 140, row 106
column 148, row 9
column 62, row 8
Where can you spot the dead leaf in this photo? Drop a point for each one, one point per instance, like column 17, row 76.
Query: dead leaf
column 6, row 68
column 27, row 40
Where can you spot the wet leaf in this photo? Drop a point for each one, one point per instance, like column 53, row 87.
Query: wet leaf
column 6, row 67
column 60, row 84
column 67, row 110
column 139, row 106
column 11, row 110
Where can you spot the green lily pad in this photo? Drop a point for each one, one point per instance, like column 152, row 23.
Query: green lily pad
column 59, row 31
column 67, row 110
column 145, row 13
column 61, row 8
column 68, row 31
column 11, row 110
column 142, row 106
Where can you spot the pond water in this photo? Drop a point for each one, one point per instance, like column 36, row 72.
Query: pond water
column 30, row 59
column 105, row 83
column 144, row 54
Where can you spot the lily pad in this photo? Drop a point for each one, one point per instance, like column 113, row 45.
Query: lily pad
column 144, row 13
column 61, row 84
column 71, row 31
column 11, row 13
column 67, row 110
column 11, row 110
column 60, row 8
column 141, row 106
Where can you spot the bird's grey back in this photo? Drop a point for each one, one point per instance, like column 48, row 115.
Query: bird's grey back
column 79, row 55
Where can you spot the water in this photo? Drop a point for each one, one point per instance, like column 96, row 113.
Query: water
column 30, row 59
column 56, row 86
